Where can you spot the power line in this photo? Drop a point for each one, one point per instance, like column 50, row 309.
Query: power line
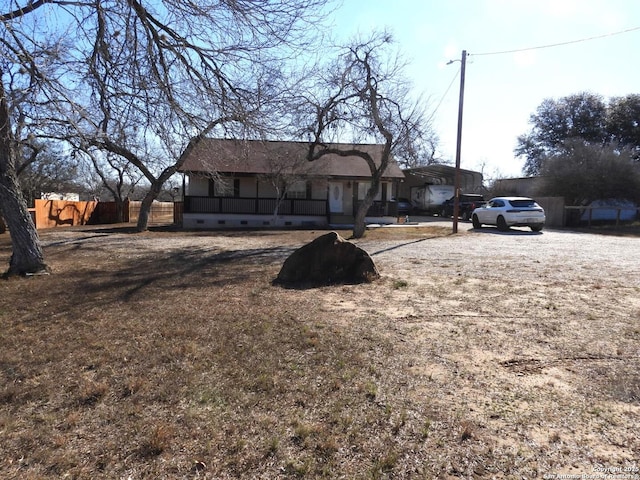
column 444, row 95
column 557, row 44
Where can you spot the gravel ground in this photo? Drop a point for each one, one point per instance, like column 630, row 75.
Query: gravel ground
column 520, row 253
column 532, row 338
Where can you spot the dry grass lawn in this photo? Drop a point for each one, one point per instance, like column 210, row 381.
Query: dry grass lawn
column 170, row 355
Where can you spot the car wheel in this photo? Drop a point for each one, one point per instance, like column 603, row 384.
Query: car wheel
column 502, row 224
column 535, row 228
column 476, row 222
column 465, row 216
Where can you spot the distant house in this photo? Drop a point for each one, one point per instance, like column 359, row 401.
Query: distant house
column 250, row 183
column 427, row 187
column 69, row 197
column 438, row 174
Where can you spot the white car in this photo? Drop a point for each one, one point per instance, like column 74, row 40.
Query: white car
column 505, row 212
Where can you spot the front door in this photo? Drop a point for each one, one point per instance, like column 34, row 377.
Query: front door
column 335, row 197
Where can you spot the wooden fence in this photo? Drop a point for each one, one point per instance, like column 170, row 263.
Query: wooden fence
column 60, row 213
column 161, row 212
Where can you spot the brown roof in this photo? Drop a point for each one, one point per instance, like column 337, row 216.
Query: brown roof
column 264, row 157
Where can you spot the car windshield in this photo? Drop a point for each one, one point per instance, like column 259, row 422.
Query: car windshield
column 524, row 202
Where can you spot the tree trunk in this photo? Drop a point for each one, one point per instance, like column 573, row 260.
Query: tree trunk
column 279, row 198
column 119, row 209
column 27, row 256
column 145, row 210
column 275, row 212
column 359, row 224
column 147, row 202
column 152, row 194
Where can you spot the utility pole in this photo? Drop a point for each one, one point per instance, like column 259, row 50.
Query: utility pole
column 456, row 200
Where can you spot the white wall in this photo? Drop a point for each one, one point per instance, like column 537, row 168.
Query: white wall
column 209, row 220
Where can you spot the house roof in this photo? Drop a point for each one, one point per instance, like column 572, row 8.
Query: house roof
column 265, row 157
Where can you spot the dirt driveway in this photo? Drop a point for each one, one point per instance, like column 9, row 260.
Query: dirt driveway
column 520, row 254
column 531, row 338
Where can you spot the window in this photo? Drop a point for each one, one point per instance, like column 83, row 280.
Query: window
column 525, row 202
column 362, row 190
column 364, row 186
column 383, row 191
column 227, row 187
column 297, row 190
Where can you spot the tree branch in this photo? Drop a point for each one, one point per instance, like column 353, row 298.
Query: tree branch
column 28, row 8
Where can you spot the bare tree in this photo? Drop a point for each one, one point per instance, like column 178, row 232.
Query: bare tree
column 142, row 80
column 285, row 172
column 27, row 256
column 366, row 98
column 116, row 175
column 27, row 59
column 47, row 169
column 177, row 77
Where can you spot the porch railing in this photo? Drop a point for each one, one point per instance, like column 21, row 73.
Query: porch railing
column 379, row 209
column 266, row 206
column 254, row 206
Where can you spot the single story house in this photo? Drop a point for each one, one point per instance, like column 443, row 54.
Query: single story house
column 252, row 183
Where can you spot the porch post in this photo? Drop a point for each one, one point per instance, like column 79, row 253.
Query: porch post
column 257, row 202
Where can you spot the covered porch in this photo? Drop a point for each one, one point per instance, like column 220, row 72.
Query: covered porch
column 216, row 212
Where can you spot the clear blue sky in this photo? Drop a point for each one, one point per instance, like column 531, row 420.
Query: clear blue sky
column 502, row 91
